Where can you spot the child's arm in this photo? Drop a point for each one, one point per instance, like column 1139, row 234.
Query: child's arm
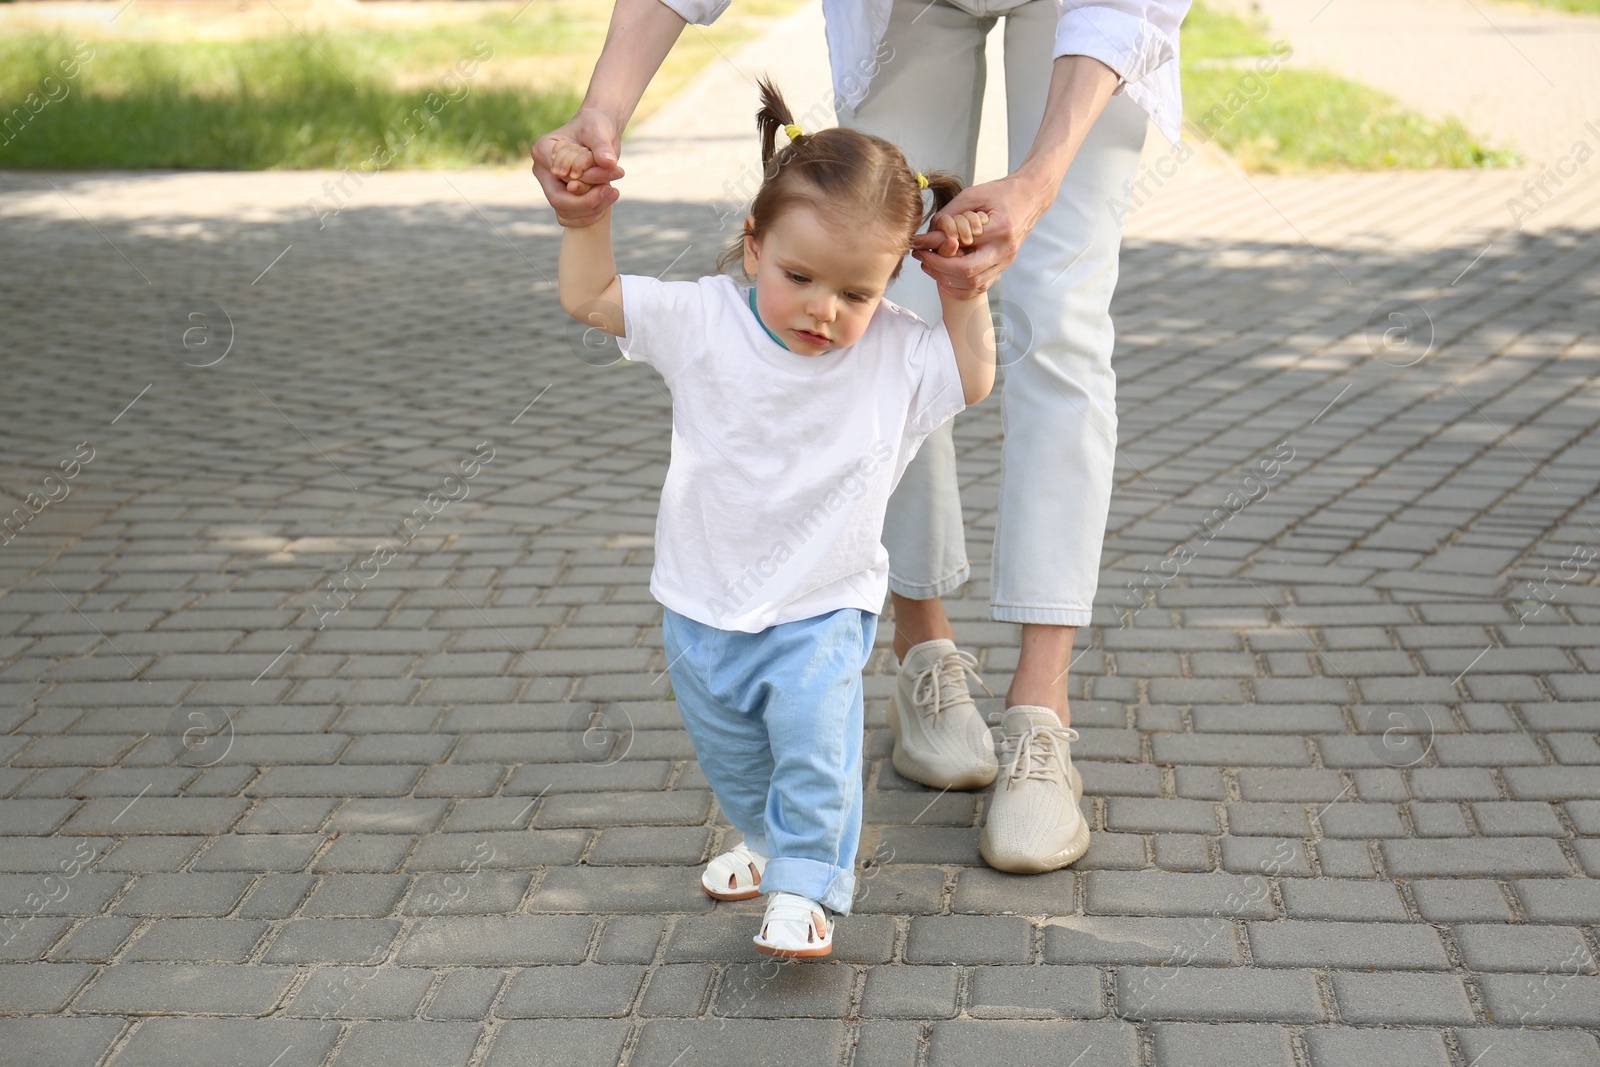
column 966, row 316
column 587, row 278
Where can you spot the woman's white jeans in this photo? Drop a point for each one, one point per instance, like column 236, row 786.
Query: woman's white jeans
column 1058, row 399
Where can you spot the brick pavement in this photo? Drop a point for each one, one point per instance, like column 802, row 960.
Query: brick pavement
column 1340, row 756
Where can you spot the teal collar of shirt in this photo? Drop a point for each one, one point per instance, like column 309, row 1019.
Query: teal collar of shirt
column 757, row 314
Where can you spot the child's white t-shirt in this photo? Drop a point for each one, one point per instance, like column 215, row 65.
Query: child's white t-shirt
column 782, row 464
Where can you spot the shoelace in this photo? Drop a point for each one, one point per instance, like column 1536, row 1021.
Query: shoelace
column 945, row 674
column 1036, row 753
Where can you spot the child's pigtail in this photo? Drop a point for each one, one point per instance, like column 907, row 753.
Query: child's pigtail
column 944, row 185
column 773, row 116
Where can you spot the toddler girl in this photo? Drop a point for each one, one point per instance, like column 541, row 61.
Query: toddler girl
column 796, row 405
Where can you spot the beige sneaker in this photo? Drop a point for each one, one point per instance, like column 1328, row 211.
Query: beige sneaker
column 1034, row 824
column 940, row 739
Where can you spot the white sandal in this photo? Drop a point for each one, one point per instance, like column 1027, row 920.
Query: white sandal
column 794, row 926
column 734, row 875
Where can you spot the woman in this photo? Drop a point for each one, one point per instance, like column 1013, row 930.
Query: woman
column 1082, row 80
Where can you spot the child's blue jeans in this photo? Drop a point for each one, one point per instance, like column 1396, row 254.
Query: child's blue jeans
column 776, row 722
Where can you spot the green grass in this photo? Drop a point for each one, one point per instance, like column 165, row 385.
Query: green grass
column 1208, row 34
column 328, row 101
column 1274, row 119
column 253, row 104
column 1576, row 7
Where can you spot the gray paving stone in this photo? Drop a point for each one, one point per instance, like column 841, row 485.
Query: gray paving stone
column 651, row 845
column 1266, row 855
column 1518, row 818
column 375, row 992
column 781, row 989
column 1384, row 946
column 1498, row 947
column 1402, row 999
column 1153, row 815
column 785, row 1042
column 1232, row 750
column 1170, row 893
column 1453, row 783
column 679, row 989
column 197, row 940
column 184, row 894
column 259, row 852
column 1350, row 1048
column 969, row 939
column 519, row 849
column 954, row 1042
column 1201, row 783
column 465, row 993
column 41, row 987
column 1292, row 784
column 987, row 891
column 1220, row 994
column 889, row 1043
column 1559, row 900
column 1528, row 1048
column 363, row 941
column 1184, row 852
column 920, row 891
column 276, row 896
column 203, row 1042
column 1438, row 820
column 1035, row 993
column 629, row 939
column 1464, row 900
column 1270, row 820
column 583, row 991
column 1483, row 857
column 364, row 852
column 1342, row 899
column 189, row 988
column 1206, row 1044
column 1106, row 941
column 552, row 1043
column 653, row 890
column 496, row 940
column 1561, row 997
column 911, row 992
column 96, row 941
column 409, row 1044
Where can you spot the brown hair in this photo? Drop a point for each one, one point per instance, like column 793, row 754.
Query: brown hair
column 839, row 171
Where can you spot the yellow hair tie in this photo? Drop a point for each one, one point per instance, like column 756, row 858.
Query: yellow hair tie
column 922, row 181
column 793, row 130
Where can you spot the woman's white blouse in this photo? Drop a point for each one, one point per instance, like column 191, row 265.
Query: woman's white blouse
column 1136, row 38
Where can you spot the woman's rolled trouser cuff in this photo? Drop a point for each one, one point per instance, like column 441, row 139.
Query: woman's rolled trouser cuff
column 918, row 591
column 1041, row 616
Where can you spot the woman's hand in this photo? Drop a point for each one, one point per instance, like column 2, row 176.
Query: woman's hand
column 1010, row 208
column 576, row 165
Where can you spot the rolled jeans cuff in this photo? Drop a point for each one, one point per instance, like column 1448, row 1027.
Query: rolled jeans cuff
column 833, row 887
column 919, row 591
column 1042, row 616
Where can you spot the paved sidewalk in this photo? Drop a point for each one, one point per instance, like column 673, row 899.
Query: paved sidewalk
column 1340, row 757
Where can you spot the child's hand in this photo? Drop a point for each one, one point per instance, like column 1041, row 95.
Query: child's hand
column 965, row 227
column 569, row 160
